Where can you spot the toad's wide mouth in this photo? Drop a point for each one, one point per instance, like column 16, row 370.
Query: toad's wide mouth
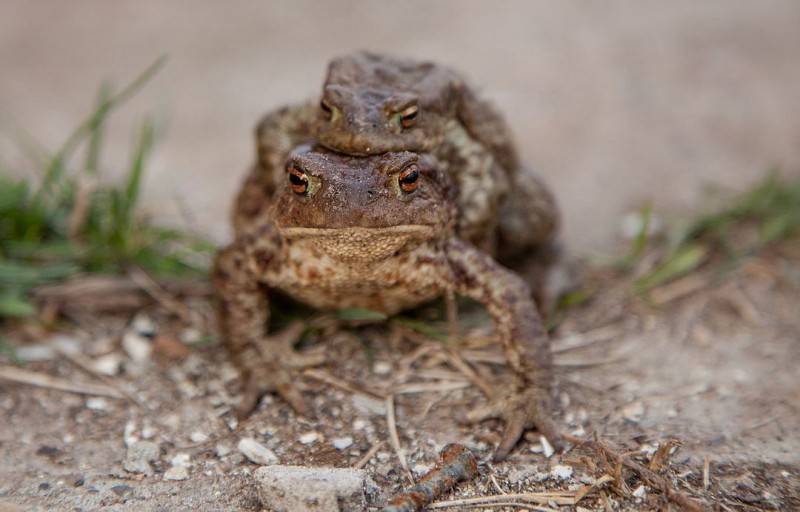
column 357, row 244
column 419, row 231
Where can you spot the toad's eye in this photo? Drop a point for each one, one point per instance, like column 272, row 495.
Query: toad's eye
column 408, row 116
column 409, row 179
column 298, row 181
column 327, row 110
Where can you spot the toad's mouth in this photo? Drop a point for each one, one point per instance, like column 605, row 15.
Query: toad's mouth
column 358, row 243
column 356, row 233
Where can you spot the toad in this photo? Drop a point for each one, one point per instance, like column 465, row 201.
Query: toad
column 374, row 232
column 371, row 104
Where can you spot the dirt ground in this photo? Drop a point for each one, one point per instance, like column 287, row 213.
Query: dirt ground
column 711, row 366
column 615, row 103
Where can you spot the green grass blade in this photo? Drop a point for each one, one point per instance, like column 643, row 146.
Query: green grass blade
column 681, row 263
column 359, row 314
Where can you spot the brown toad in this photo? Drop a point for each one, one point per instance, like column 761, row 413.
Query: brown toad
column 372, row 104
column 378, row 233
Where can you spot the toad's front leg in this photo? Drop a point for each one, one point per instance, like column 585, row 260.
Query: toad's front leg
column 240, row 278
column 507, row 298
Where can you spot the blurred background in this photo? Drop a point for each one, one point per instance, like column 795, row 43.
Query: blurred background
column 614, row 102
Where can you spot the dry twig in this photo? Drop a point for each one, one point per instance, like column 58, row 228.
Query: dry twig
column 363, row 461
column 20, row 376
column 649, row 477
column 394, row 439
column 457, row 464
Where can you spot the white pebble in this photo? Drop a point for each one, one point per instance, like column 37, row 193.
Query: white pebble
column 640, row 491
column 176, row 473
column 128, row 433
column 561, row 472
column 97, row 404
column 222, row 450
column 547, row 448
column 198, row 437
column 108, row 364
column 257, row 452
column 382, row 368
column 144, row 325
column 633, row 412
column 343, row 443
column 308, row 438
column 181, row 460
column 137, row 347
column 37, row 352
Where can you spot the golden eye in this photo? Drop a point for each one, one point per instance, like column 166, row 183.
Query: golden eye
column 408, row 116
column 298, row 181
column 409, row 178
column 327, row 110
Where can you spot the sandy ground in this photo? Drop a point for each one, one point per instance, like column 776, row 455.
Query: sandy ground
column 614, row 102
column 715, row 370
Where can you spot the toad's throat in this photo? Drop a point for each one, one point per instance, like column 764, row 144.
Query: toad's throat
column 358, row 243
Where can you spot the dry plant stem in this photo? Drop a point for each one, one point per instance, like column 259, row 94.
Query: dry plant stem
column 394, row 439
column 457, row 464
column 80, row 211
column 455, row 359
column 149, row 285
column 363, row 461
column 81, row 362
column 329, row 379
column 527, row 499
column 649, row 477
column 20, row 376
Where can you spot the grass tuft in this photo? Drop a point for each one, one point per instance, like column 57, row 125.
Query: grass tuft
column 67, row 223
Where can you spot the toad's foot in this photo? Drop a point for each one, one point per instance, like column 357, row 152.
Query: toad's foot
column 520, row 408
column 272, row 371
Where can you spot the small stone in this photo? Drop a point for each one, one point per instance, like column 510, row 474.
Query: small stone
column 257, row 452
column 128, row 433
column 139, row 456
column 343, row 443
column 148, row 432
column 198, row 437
column 137, row 347
column 369, row 406
column 382, row 368
column 66, row 344
column 181, row 460
column 222, row 450
column 191, row 336
column 308, row 438
column 639, row 492
column 547, row 448
column 291, row 488
column 633, row 412
column 421, row 469
column 121, row 490
column 359, row 424
column 143, row 325
column 36, row 352
column 109, row 364
column 176, row 473
column 97, row 404
column 561, row 472
column 520, row 473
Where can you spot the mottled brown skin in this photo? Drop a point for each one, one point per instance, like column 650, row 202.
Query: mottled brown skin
column 364, row 110
column 355, row 237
